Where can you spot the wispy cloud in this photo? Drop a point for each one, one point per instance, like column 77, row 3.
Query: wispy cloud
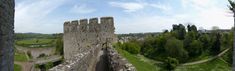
column 137, row 6
column 128, row 6
column 82, row 9
column 163, row 7
column 32, row 16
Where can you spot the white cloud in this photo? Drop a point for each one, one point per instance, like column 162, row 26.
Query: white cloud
column 128, row 6
column 143, row 23
column 82, row 9
column 137, row 6
column 214, row 17
column 32, row 16
column 198, row 4
column 163, row 7
column 204, row 15
column 207, row 13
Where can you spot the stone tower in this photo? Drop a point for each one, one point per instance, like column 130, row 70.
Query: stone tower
column 6, row 35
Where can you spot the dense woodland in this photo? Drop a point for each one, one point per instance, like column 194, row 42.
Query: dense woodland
column 181, row 44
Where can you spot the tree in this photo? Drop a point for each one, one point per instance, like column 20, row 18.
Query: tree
column 131, row 47
column 174, row 48
column 195, row 48
column 170, row 63
column 216, row 45
column 190, row 36
column 179, row 31
column 205, row 39
column 59, row 46
column 192, row 28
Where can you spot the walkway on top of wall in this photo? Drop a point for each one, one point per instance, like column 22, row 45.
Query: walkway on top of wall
column 102, row 62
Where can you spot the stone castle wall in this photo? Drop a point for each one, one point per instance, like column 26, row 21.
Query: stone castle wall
column 117, row 63
column 84, row 39
column 81, row 35
column 7, row 9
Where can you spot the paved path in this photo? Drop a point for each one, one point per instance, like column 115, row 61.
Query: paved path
column 206, row 60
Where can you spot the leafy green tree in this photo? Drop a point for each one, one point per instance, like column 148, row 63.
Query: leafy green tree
column 195, row 48
column 174, row 48
column 225, row 40
column 179, row 31
column 192, row 28
column 216, row 45
column 190, row 36
column 205, row 39
column 59, row 46
column 170, row 63
column 131, row 47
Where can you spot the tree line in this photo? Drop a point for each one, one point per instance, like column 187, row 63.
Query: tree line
column 181, row 44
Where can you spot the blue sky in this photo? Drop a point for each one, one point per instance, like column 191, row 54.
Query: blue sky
column 130, row 16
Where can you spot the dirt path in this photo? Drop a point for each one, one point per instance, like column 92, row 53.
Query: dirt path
column 26, row 66
column 206, row 60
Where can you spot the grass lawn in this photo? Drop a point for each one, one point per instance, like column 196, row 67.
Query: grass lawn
column 137, row 62
column 17, row 67
column 214, row 65
column 20, row 57
column 201, row 57
column 35, row 41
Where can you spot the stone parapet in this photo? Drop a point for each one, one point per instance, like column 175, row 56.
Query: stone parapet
column 117, row 62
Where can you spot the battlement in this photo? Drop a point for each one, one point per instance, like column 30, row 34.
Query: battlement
column 84, row 33
column 84, row 43
column 91, row 25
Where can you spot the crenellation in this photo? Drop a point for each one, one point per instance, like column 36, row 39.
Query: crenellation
column 84, row 39
column 92, row 23
column 83, row 25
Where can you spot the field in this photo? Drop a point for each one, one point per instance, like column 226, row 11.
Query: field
column 144, row 64
column 20, row 57
column 137, row 62
column 17, row 67
column 35, row 42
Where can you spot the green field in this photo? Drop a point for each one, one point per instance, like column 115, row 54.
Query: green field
column 35, row 42
column 137, row 62
column 20, row 57
column 17, row 67
column 144, row 64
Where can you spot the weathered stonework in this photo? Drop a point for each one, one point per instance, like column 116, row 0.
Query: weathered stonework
column 117, row 62
column 83, row 40
column 6, row 35
column 79, row 36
